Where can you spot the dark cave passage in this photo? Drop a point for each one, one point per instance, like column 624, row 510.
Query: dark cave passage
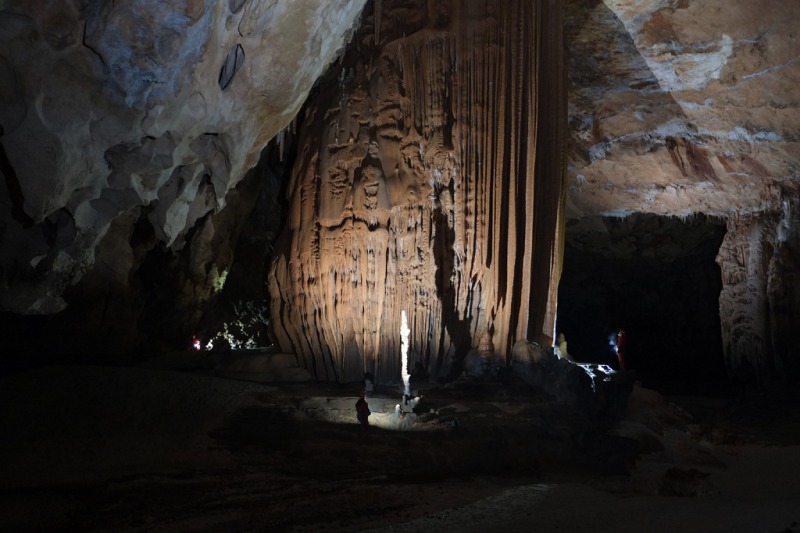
column 656, row 278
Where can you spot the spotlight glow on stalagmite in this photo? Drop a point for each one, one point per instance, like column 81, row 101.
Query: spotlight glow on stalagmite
column 404, row 331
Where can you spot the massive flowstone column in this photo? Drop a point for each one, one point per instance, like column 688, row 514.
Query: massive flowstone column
column 428, row 179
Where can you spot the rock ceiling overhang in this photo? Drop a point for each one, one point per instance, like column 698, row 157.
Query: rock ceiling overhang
column 680, row 106
column 107, row 108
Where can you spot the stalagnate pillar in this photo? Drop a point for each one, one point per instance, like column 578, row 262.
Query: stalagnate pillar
column 428, row 179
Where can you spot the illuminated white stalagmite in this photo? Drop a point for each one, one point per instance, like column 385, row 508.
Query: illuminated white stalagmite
column 404, row 331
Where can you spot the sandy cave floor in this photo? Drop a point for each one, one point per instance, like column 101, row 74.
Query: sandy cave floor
column 142, row 449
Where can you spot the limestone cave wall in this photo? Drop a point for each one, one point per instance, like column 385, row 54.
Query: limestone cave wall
column 126, row 131
column 428, row 174
column 760, row 299
column 428, row 180
column 691, row 107
column 138, row 117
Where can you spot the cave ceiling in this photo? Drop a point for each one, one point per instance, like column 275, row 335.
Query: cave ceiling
column 680, row 107
column 139, row 111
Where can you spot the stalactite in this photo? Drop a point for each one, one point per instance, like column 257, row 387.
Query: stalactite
column 441, row 196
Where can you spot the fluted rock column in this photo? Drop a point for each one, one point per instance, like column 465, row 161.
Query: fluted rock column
column 760, row 298
column 783, row 291
column 428, row 179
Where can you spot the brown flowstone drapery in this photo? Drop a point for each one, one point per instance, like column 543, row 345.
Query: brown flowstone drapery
column 429, row 178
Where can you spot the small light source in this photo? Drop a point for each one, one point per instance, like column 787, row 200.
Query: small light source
column 404, row 331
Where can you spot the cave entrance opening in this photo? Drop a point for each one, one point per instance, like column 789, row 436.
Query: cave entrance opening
column 655, row 277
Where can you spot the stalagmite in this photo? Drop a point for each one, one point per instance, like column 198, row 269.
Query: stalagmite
column 404, row 331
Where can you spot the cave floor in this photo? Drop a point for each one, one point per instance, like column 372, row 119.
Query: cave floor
column 135, row 449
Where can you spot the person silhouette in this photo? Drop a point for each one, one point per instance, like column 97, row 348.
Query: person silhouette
column 620, row 349
column 362, row 413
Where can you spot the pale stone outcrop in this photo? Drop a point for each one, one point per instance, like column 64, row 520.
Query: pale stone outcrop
column 114, row 112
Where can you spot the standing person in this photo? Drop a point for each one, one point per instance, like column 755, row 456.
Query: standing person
column 362, row 413
column 620, row 349
column 560, row 348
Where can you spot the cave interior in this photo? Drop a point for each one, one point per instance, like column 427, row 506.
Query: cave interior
column 214, row 214
column 656, row 278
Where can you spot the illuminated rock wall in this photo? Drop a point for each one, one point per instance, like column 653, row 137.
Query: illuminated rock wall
column 678, row 108
column 139, row 113
column 428, row 179
column 681, row 107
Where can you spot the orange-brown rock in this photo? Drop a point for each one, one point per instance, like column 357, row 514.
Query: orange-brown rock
column 686, row 107
column 428, row 181
column 682, row 107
